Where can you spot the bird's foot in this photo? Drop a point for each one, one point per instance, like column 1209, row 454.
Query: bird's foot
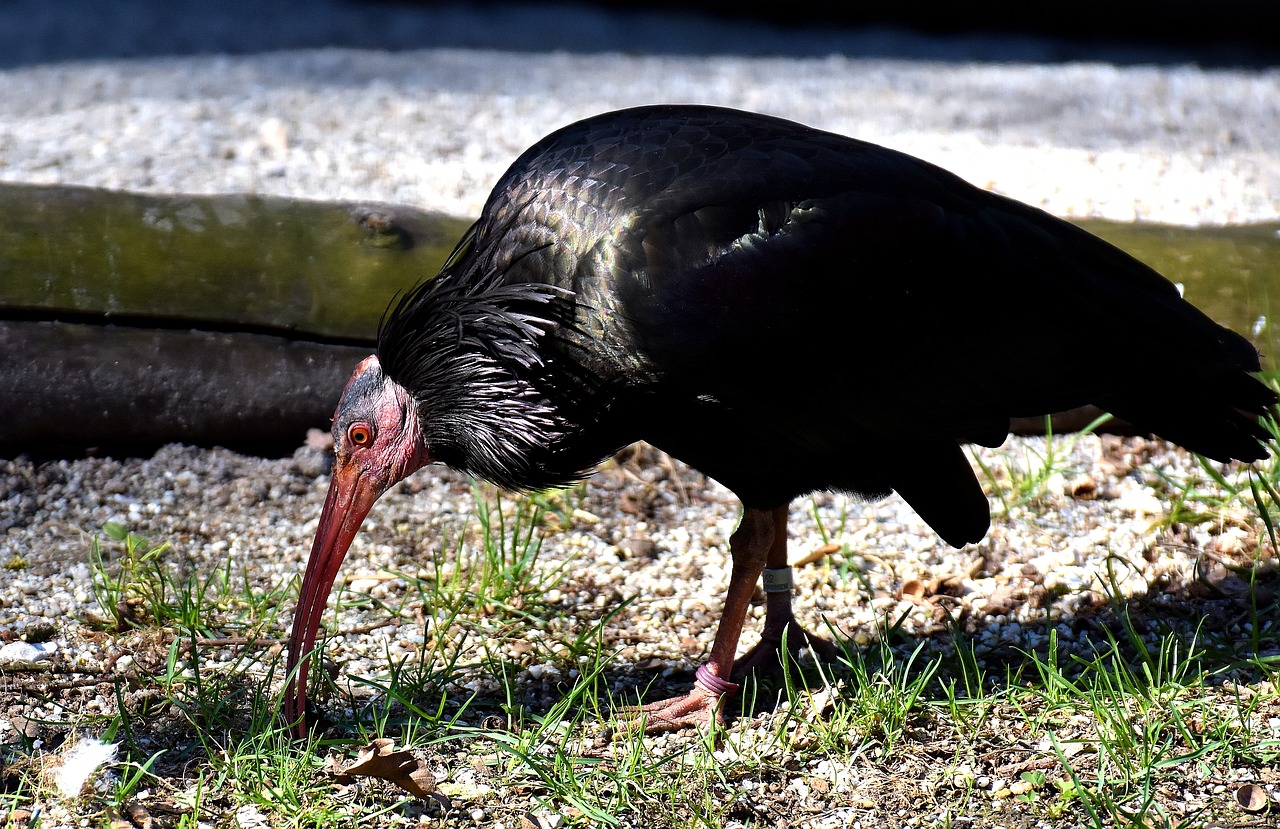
column 766, row 657
column 699, row 708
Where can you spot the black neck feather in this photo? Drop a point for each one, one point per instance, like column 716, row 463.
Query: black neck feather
column 480, row 354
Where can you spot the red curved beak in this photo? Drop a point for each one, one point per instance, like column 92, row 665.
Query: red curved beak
column 377, row 442
column 351, row 496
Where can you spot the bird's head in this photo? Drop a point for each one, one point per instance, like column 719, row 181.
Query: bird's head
column 377, row 442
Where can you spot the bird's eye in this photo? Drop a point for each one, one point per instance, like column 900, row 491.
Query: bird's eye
column 360, row 434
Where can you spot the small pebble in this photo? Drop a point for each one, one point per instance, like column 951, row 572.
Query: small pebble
column 18, row 653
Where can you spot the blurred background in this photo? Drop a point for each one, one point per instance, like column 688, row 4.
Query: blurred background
column 1233, row 33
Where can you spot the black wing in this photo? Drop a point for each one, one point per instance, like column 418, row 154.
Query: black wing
column 789, row 309
column 926, row 306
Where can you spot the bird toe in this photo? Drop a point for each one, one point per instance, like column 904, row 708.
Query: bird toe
column 699, row 708
column 766, row 657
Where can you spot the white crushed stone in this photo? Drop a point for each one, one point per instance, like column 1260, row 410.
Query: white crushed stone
column 435, row 128
column 79, row 763
column 27, row 653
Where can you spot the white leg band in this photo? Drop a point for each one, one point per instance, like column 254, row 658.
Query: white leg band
column 778, row 580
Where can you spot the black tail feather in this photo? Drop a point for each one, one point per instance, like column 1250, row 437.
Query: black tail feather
column 948, row 497
column 1220, row 419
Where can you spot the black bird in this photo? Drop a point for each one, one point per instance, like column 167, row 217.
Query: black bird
column 683, row 274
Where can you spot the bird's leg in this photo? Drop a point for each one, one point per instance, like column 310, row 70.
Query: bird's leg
column 779, row 622
column 749, row 548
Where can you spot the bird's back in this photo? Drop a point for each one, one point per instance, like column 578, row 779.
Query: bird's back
column 789, row 309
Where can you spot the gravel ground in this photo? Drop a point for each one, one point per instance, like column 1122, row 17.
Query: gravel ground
column 644, row 529
column 434, row 129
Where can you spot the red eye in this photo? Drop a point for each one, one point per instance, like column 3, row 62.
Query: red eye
column 360, row 434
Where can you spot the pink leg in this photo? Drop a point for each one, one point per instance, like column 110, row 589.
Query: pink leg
column 749, row 546
column 766, row 657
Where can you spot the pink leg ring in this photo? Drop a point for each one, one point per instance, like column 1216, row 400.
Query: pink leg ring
column 713, row 683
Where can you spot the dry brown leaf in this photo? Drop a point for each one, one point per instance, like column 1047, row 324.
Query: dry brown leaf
column 817, row 555
column 135, row 816
column 1071, row 748
column 531, row 821
column 138, row 815
column 333, row 768
column 932, row 592
column 951, row 586
column 820, row 702
column 380, row 759
column 1003, row 599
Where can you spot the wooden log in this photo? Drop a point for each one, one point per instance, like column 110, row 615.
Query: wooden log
column 131, row 320
column 71, row 386
column 255, row 263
